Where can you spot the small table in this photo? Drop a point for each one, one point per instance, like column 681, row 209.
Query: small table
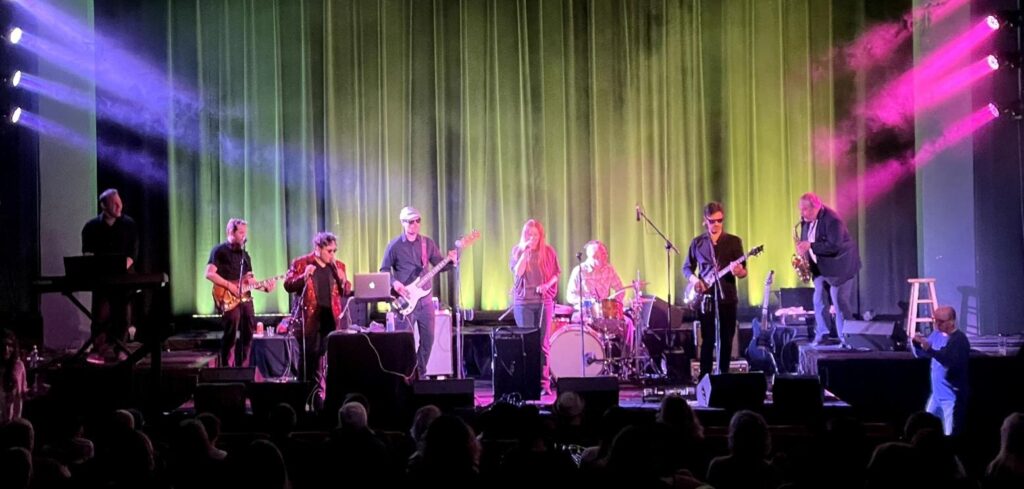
column 276, row 358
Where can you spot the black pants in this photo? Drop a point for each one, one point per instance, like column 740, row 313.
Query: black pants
column 237, row 322
column 707, row 334
column 314, row 345
column 111, row 315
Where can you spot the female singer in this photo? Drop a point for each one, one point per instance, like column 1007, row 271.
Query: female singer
column 535, row 273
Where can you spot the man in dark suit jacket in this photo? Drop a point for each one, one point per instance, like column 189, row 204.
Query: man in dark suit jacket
column 835, row 261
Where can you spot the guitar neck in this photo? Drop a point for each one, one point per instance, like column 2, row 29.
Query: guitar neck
column 426, row 278
column 727, row 270
column 262, row 283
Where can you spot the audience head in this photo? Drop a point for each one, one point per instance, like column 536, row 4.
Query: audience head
column 19, row 432
column 676, row 412
column 919, row 421
column 422, row 420
column 352, row 416
column 450, row 443
column 749, row 436
column 16, row 467
column 283, row 419
column 211, row 423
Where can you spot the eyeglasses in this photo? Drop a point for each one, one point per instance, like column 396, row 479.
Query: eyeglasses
column 716, row 221
column 411, row 221
column 331, row 250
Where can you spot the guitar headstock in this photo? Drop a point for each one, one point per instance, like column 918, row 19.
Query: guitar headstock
column 757, row 250
column 771, row 278
column 468, row 239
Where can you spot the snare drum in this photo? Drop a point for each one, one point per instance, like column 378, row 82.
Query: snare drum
column 564, row 353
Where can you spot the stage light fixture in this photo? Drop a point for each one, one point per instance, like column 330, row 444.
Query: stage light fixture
column 16, row 78
column 16, row 115
column 1004, row 18
column 993, row 109
column 1013, row 110
column 1005, row 60
column 14, row 36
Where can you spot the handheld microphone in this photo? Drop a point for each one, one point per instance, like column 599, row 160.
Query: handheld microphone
column 638, row 212
column 458, row 243
column 579, row 255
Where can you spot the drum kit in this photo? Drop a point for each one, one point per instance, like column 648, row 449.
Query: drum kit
column 605, row 339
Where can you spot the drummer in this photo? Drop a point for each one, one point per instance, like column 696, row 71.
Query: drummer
column 601, row 283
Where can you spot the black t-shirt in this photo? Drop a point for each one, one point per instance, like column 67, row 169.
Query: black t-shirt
column 120, row 238
column 729, row 248
column 322, row 278
column 229, row 261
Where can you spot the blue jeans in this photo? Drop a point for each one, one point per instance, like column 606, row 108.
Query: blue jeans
column 840, row 296
column 950, row 411
column 537, row 315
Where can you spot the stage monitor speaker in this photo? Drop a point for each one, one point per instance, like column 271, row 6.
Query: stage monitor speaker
column 658, row 320
column 263, row 396
column 225, row 400
column 227, row 374
column 447, row 394
column 798, row 397
column 873, row 335
column 516, row 363
column 598, row 393
column 732, row 391
column 377, row 365
column 440, row 362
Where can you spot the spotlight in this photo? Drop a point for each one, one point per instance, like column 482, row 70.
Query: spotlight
column 16, row 115
column 1013, row 110
column 16, row 78
column 994, row 110
column 15, row 35
column 1004, row 18
column 1006, row 60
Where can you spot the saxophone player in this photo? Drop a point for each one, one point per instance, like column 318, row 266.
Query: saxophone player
column 834, row 262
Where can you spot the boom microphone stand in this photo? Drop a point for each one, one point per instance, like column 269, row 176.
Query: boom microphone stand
column 669, row 248
column 717, row 292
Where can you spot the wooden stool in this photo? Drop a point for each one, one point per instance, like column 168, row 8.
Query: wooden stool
column 932, row 300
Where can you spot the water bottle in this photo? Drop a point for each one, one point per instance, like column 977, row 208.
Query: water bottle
column 390, row 322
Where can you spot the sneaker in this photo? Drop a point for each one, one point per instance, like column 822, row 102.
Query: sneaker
column 845, row 346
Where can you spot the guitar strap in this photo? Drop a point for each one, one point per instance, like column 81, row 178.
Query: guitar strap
column 423, row 252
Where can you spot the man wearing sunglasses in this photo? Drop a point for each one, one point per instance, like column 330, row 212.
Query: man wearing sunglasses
column 949, row 351
column 319, row 282
column 710, row 248
column 834, row 260
column 406, row 258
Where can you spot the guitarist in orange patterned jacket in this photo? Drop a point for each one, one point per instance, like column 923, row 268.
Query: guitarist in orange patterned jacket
column 230, row 266
column 320, row 282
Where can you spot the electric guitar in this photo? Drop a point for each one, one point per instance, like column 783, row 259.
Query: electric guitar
column 225, row 301
column 420, row 287
column 694, row 291
column 761, row 347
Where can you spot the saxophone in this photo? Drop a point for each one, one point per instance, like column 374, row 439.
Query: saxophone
column 800, row 263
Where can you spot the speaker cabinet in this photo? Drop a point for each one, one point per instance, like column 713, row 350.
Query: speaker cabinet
column 225, row 400
column 516, row 363
column 447, row 394
column 598, row 393
column 440, row 362
column 378, row 365
column 798, row 397
column 732, row 391
column 227, row 374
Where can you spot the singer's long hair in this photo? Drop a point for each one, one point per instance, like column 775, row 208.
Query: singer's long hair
column 546, row 267
column 7, row 364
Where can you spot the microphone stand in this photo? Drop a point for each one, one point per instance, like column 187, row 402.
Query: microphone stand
column 669, row 248
column 717, row 292
column 459, row 363
column 241, row 297
column 583, row 314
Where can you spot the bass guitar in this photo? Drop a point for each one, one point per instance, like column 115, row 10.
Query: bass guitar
column 420, row 287
column 695, row 291
column 225, row 301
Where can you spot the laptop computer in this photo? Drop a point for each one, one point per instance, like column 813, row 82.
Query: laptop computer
column 373, row 286
column 89, row 267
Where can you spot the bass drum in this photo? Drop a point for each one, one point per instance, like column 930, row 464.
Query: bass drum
column 564, row 353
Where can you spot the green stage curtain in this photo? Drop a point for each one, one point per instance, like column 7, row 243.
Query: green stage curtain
column 307, row 115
